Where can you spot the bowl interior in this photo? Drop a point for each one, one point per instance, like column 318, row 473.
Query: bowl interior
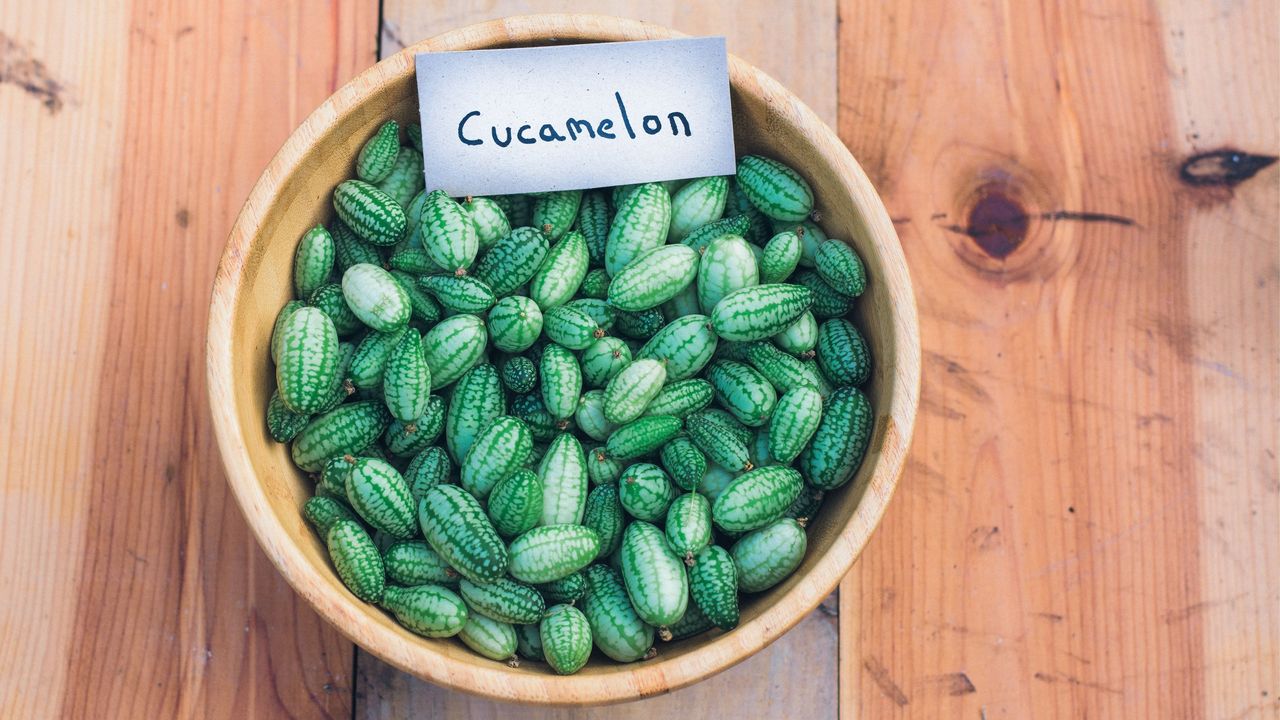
column 765, row 123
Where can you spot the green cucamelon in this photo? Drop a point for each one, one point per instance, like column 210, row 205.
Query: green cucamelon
column 720, row 445
column 375, row 297
column 713, row 584
column 684, row 462
column 727, row 265
column 356, row 560
column 827, row 302
column 551, row 552
column 413, row 562
column 743, row 391
column 369, row 364
column 532, row 412
column 499, row 450
column 764, row 557
column 529, row 643
column 640, row 325
column 345, row 430
column 459, row 293
column 692, row 623
column 563, row 472
column 688, row 525
column 630, row 391
column 645, row 491
column 477, row 400
column 456, row 527
column 277, row 336
column 566, row 639
column 642, row 223
column 806, row 504
column 681, row 398
column 714, row 481
column 590, row 415
column 780, row 258
column 700, row 238
column 406, row 382
column 568, row 589
column 515, row 505
column 428, row 610
column 601, row 468
column 653, row 277
column 491, row 638
column 519, row 373
column 423, row 307
column 379, row 154
column 512, row 261
column 784, row 371
column 604, row 515
column 561, row 272
column 655, row 578
column 328, row 298
column 282, row 423
column 777, row 190
column 759, row 311
column 616, row 629
column 800, row 337
column 595, row 284
column 307, row 365
column 795, row 420
column 593, row 221
column 842, row 269
column 842, row 353
column 515, row 322
column 686, row 345
column 403, row 439
column 504, row 600
column 381, row 497
column 757, row 498
column 350, row 249
column 312, row 261
column 841, row 440
column 405, row 180
column 490, row 221
column 604, row 359
column 642, row 436
column 700, row 202
column 448, row 234
column 570, row 327
column 325, row 512
column 370, row 213
column 554, row 212
column 453, row 347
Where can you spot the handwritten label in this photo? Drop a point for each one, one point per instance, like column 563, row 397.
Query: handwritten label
column 496, row 122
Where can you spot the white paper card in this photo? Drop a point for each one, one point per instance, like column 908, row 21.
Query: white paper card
column 569, row 117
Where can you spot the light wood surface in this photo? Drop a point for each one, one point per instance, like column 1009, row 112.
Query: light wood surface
column 253, row 283
column 1157, row 597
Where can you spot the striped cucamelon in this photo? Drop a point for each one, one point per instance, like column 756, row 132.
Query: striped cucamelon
column 325, row 512
column 345, row 430
column 727, row 265
column 759, row 311
column 655, row 578
column 459, row 293
column 685, row 463
column 743, row 391
column 713, row 584
column 428, row 610
column 827, row 301
column 380, row 495
column 566, row 639
column 307, row 366
column 604, row 359
column 653, row 277
column 370, row 213
column 590, row 415
column 568, row 589
column 554, row 212
column 645, row 491
column 453, row 347
column 616, row 629
column 595, row 284
column 515, row 322
column 498, row 451
column 777, row 190
column 413, row 562
column 551, row 552
column 379, row 154
column 405, row 180
column 594, row 218
column 512, row 261
column 784, row 371
column 681, row 398
column 519, row 373
column 570, row 327
column 686, row 344
column 369, row 364
column 688, row 525
column 639, row 325
column 720, row 444
column 277, row 336
column 842, row 353
column 630, row 391
column 563, row 472
column 699, row 202
column 282, row 423
column 515, row 505
column 328, row 298
column 403, row 439
column 490, row 221
column 604, row 515
column 350, row 249
column 456, row 527
column 700, row 238
column 476, row 401
column 795, row 419
column 842, row 269
column 601, row 468
column 505, row 600
column 800, row 337
column 692, row 623
column 312, row 261
column 448, row 234
column 561, row 272
column 375, row 297
column 765, row 557
column 491, row 638
column 757, row 498
column 356, row 560
column 780, row 258
column 529, row 642
column 841, row 440
column 406, row 382
column 642, row 223
column 641, row 437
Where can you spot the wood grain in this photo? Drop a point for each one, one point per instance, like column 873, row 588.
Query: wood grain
column 1089, row 523
column 132, row 133
column 800, row 669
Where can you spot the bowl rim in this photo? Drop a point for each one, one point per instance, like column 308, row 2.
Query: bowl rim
column 494, row 680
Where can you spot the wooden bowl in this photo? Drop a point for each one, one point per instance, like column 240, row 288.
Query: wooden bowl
column 253, row 283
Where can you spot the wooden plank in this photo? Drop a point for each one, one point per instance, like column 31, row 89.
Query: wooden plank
column 1089, row 523
column 776, row 683
column 139, row 592
column 799, row 670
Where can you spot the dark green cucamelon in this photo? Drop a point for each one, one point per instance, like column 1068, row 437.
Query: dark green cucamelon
column 765, row 557
column 356, row 560
column 312, row 261
column 512, row 261
column 413, row 562
column 842, row 269
column 350, row 249
column 370, row 213
column 604, row 514
column 642, row 436
column 841, row 440
column 307, row 366
column 369, row 364
column 594, row 218
column 428, row 610
column 551, row 552
column 692, row 623
column 519, row 373
column 700, row 238
column 827, row 302
column 379, row 154
column 517, row 208
column 498, row 451
column 842, row 353
column 456, row 527
column 684, row 462
column 404, row 439
column 423, row 307
column 615, row 627
column 505, row 600
column 713, row 583
column 566, row 639
column 595, row 284
column 328, row 299
column 568, row 589
column 282, row 423
column 532, row 412
column 757, row 498
column 325, row 512
column 806, row 504
column 639, row 325
column 459, row 293
column 345, row 430
column 529, row 641
column 777, row 190
column 379, row 494
column 515, row 505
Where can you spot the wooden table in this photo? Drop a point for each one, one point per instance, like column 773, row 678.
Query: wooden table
column 1089, row 525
